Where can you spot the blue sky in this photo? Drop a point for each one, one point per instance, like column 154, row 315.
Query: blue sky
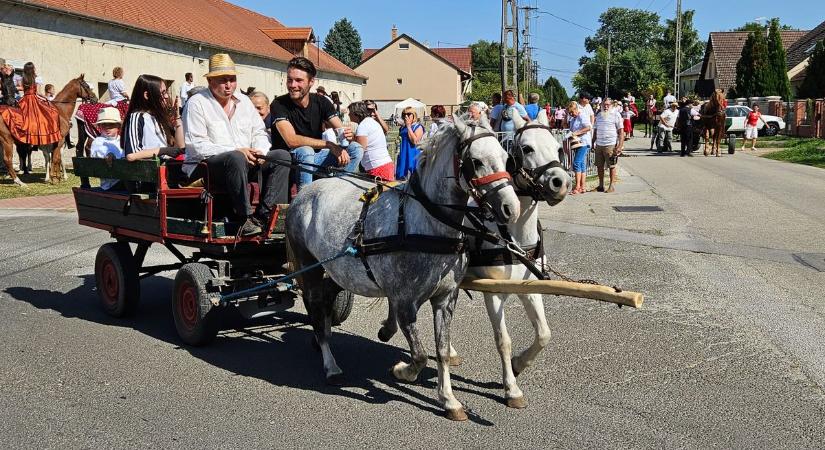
column 559, row 44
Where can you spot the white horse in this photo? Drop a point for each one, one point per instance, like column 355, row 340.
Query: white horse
column 458, row 161
column 539, row 154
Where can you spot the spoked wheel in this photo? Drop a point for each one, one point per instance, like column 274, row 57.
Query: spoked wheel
column 196, row 320
column 116, row 276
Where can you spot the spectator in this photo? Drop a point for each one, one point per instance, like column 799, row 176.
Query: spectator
column 117, row 88
column 585, row 107
column 299, row 117
column 580, row 127
column 411, row 134
column 48, row 90
column 474, row 111
column 152, row 123
column 560, row 116
column 224, row 130
column 107, row 143
column 370, row 136
column 373, row 109
column 629, row 98
column 669, row 98
column 627, row 119
column 548, row 111
column 685, row 122
column 185, row 87
column 532, row 107
column 322, row 91
column 7, row 86
column 437, row 114
column 752, row 127
column 608, row 137
column 667, row 121
column 503, row 120
column 261, row 103
column 495, row 102
column 336, row 102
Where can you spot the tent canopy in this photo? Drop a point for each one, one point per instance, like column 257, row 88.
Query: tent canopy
column 420, row 108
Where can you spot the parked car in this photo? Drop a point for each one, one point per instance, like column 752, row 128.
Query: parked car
column 739, row 114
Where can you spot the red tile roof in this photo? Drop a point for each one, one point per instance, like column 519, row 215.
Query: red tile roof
column 802, row 48
column 297, row 33
column 460, row 57
column 211, row 22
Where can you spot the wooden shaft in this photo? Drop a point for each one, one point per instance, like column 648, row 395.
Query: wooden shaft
column 555, row 287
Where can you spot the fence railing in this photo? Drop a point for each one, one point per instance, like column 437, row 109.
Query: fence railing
column 565, row 153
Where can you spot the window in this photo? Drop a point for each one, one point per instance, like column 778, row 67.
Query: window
column 403, row 46
column 101, row 89
column 399, row 81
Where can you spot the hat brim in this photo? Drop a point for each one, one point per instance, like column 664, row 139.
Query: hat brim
column 103, row 122
column 220, row 73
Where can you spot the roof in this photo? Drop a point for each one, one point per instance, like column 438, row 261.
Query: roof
column 461, row 58
column 211, row 22
column 801, row 49
column 727, row 49
column 286, row 34
column 695, row 69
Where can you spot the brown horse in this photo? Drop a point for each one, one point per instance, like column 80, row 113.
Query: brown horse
column 65, row 102
column 713, row 122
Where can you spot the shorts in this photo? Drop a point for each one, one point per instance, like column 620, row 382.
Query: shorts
column 604, row 156
column 580, row 159
column 385, row 172
column 751, row 132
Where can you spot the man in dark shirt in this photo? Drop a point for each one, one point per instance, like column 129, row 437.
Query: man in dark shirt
column 685, row 123
column 298, row 118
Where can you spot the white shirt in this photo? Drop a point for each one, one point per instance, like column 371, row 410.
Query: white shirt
column 668, row 100
column 101, row 147
column 116, row 87
column 668, row 118
column 184, row 91
column 607, row 126
column 376, row 154
column 208, row 131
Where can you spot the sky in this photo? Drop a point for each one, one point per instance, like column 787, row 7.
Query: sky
column 558, row 43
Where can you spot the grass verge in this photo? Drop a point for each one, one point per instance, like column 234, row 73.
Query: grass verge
column 810, row 152
column 35, row 186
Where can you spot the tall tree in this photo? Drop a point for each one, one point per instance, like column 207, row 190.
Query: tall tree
column 692, row 48
column 756, row 26
column 486, row 56
column 627, row 28
column 554, row 92
column 814, row 84
column 777, row 77
column 752, row 67
column 344, row 43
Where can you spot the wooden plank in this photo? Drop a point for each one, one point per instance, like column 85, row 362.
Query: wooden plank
column 144, row 170
column 190, row 227
column 555, row 287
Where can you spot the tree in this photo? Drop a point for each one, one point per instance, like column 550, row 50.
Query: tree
column 752, row 68
column 692, row 48
column 486, row 57
column 814, row 84
column 777, row 82
column 344, row 43
column 553, row 92
column 627, row 28
column 756, row 26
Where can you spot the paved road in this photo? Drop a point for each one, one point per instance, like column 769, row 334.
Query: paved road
column 729, row 349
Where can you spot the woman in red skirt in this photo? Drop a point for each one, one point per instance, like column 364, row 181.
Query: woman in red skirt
column 627, row 117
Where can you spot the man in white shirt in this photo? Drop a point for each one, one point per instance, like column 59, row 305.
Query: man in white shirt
column 608, row 142
column 666, row 124
column 185, row 88
column 669, row 98
column 225, row 130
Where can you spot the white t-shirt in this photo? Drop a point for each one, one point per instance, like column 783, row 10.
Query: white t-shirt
column 376, row 154
column 668, row 118
column 116, row 86
column 607, row 127
column 668, row 100
column 101, row 147
column 184, row 91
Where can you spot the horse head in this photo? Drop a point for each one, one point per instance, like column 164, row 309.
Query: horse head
column 482, row 169
column 84, row 92
column 534, row 161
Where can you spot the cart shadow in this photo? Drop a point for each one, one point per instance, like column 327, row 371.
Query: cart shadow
column 276, row 349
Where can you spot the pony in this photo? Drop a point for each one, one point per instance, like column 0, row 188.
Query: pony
column 459, row 160
column 65, row 102
column 713, row 122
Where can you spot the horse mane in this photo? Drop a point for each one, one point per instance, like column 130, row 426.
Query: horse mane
column 63, row 93
column 443, row 141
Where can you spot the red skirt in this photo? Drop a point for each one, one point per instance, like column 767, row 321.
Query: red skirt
column 385, row 172
column 628, row 126
column 35, row 122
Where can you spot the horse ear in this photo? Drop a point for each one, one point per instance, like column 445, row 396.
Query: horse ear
column 542, row 118
column 81, row 77
column 518, row 121
column 459, row 124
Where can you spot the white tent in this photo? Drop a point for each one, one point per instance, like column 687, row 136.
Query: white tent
column 420, row 108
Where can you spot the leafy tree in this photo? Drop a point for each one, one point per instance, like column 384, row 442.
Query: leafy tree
column 637, row 70
column 692, row 48
column 486, row 76
column 752, row 67
column 777, row 82
column 553, row 92
column 590, row 77
column 814, row 84
column 628, row 28
column 756, row 26
column 344, row 43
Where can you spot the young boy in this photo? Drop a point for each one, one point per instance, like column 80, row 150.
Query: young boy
column 107, row 144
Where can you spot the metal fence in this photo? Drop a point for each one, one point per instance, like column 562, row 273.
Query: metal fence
column 565, row 154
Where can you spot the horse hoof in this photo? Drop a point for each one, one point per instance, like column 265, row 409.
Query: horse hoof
column 336, row 380
column 456, row 361
column 517, row 403
column 457, row 415
column 384, row 334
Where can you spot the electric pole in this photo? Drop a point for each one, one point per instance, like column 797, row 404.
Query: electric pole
column 607, row 68
column 527, row 50
column 676, row 67
column 509, row 45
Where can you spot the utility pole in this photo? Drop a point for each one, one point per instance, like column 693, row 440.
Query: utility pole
column 607, row 69
column 527, row 50
column 509, row 45
column 676, row 66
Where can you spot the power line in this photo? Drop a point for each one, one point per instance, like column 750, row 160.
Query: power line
column 566, row 20
column 650, row 4
column 663, row 7
column 554, row 53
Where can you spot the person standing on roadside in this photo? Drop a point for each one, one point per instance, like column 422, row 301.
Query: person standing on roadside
column 752, row 127
column 608, row 139
column 666, row 123
column 580, row 128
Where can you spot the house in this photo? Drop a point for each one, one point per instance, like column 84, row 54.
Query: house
column 688, row 78
column 723, row 50
column 65, row 38
column 800, row 53
column 405, row 68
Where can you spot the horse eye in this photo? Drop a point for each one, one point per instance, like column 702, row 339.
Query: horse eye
column 527, row 149
column 476, row 163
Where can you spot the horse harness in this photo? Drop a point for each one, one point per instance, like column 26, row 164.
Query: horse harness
column 464, row 168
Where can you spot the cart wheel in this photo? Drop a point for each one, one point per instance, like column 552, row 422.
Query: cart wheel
column 195, row 318
column 731, row 144
column 341, row 307
column 116, row 275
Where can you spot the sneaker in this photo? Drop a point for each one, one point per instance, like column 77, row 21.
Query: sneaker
column 251, row 227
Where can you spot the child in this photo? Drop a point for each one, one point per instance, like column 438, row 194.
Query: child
column 107, row 144
column 49, row 88
column 627, row 117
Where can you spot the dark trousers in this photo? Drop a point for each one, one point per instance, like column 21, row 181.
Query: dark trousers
column 230, row 171
column 81, row 138
column 24, row 152
column 686, row 140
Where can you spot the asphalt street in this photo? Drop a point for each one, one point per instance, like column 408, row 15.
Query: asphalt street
column 728, row 350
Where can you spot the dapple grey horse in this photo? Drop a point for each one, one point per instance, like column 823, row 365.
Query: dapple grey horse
column 320, row 223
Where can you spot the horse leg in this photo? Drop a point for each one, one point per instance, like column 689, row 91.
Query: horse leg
column 47, row 161
column 534, row 308
column 443, row 308
column 406, row 321
column 57, row 163
column 706, row 134
column 8, row 156
column 495, row 311
column 390, row 325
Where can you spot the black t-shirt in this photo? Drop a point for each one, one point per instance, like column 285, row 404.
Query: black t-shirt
column 306, row 121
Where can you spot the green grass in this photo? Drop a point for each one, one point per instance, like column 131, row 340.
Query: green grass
column 810, row 152
column 37, row 187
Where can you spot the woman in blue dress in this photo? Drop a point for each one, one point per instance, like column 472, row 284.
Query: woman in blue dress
column 411, row 134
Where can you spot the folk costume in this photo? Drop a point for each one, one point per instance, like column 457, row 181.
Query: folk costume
column 35, row 121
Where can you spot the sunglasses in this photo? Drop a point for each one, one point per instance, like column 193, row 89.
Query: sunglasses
column 407, row 114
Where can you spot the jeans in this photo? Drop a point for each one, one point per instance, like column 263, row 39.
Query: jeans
column 324, row 158
column 664, row 139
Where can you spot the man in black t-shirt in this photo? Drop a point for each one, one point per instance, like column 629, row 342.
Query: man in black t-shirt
column 298, row 119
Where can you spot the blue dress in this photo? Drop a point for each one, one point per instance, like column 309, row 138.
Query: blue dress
column 408, row 154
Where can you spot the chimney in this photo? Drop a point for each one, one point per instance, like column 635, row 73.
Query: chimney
column 394, row 33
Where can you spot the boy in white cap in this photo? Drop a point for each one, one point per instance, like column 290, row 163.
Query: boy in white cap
column 108, row 143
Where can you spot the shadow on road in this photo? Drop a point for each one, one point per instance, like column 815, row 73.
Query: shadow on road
column 274, row 349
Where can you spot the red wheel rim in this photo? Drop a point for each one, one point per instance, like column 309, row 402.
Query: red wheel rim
column 111, row 286
column 188, row 305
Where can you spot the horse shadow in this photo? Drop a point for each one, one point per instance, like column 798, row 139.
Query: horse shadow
column 275, row 349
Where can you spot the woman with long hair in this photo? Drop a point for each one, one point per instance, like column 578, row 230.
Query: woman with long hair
column 152, row 123
column 370, row 136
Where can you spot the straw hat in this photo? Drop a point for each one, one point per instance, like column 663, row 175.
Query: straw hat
column 221, row 64
column 575, row 143
column 108, row 115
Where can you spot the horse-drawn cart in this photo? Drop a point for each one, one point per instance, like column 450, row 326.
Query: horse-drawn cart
column 215, row 279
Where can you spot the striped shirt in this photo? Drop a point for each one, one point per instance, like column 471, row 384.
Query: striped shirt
column 142, row 131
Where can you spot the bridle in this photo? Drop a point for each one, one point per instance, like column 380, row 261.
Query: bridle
column 465, row 168
column 526, row 179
